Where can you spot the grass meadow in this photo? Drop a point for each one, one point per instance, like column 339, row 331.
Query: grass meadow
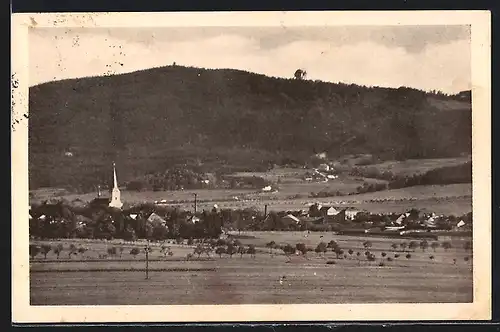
column 268, row 278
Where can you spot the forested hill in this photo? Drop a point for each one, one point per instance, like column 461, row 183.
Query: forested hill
column 149, row 120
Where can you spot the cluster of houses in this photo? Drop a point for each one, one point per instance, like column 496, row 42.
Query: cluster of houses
column 317, row 214
column 349, row 218
column 322, row 173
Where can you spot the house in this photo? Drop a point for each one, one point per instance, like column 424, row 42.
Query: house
column 350, row 213
column 193, row 219
column 100, row 202
column 291, row 218
column 324, row 168
column 156, row 219
column 430, row 222
column 329, row 211
column 312, row 220
column 321, row 155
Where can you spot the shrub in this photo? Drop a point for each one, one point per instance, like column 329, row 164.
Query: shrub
column 220, row 251
column 301, row 247
column 242, row 250
column 446, row 245
column 112, row 251
column 134, row 252
column 34, row 250
column 321, row 248
column 57, row 250
column 251, row 250
column 434, row 246
column 330, row 262
column 46, row 248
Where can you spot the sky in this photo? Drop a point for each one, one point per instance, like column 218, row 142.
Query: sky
column 422, row 57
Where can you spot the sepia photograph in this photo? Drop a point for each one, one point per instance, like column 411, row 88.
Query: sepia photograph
column 254, row 166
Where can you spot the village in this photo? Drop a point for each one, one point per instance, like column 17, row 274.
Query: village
column 284, row 252
column 106, row 217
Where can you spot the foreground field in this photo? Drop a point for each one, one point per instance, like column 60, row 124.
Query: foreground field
column 265, row 279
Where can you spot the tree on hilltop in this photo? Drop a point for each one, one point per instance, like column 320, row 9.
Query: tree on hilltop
column 300, row 74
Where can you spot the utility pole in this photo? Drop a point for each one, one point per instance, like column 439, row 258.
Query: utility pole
column 195, row 202
column 147, row 249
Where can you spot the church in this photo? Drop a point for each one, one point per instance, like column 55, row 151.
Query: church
column 115, row 200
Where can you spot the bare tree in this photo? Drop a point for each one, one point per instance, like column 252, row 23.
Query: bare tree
column 251, row 250
column 46, row 248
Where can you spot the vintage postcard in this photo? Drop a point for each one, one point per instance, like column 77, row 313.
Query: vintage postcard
column 251, row 166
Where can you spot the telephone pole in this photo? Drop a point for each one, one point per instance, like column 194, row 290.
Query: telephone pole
column 147, row 249
column 195, row 202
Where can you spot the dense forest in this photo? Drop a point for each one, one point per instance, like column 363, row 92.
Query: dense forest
column 226, row 120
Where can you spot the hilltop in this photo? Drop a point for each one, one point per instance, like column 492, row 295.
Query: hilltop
column 221, row 120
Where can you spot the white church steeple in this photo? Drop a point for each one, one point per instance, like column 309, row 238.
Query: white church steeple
column 115, row 194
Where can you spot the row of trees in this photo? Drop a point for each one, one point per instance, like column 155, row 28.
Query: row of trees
column 443, row 175
column 186, row 177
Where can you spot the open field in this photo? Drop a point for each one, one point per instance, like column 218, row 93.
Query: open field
column 287, row 190
column 247, row 280
column 453, row 199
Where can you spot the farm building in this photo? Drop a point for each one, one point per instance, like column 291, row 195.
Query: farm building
column 193, row 219
column 291, row 218
column 331, row 214
column 350, row 213
column 329, row 211
column 100, row 202
column 312, row 220
column 156, row 219
column 324, row 168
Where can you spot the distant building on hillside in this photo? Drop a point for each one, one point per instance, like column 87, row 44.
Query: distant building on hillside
column 321, row 155
column 324, row 167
